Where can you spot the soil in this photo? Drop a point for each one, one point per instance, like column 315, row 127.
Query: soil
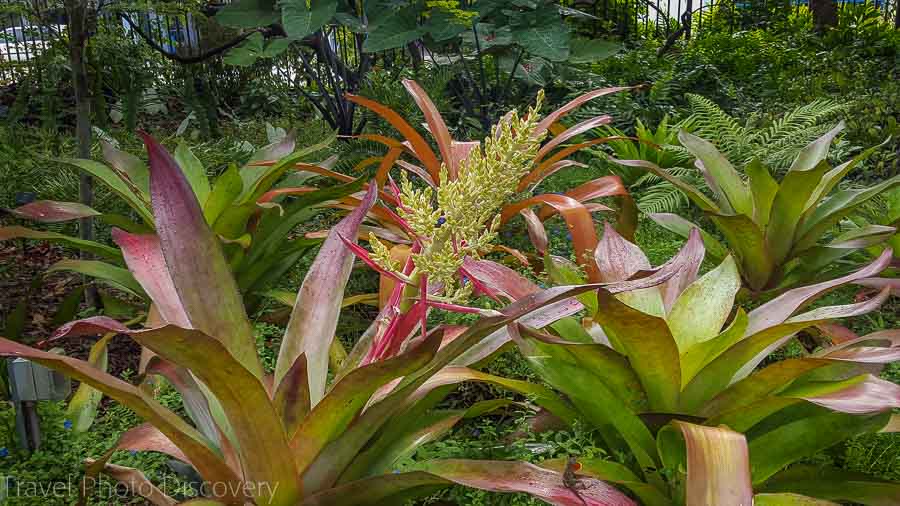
column 19, row 268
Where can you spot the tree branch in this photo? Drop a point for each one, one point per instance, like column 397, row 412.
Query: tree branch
column 188, row 59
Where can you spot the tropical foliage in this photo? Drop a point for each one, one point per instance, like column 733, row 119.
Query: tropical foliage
column 292, row 438
column 776, row 228
column 643, row 364
column 242, row 206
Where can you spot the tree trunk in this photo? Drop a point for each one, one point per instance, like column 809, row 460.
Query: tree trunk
column 824, row 13
column 897, row 14
column 77, row 11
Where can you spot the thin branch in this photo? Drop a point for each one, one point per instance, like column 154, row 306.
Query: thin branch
column 187, row 59
column 505, row 91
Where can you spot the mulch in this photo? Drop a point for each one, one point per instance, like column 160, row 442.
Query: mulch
column 19, row 268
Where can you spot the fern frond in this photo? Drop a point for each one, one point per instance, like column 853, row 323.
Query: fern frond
column 803, row 117
column 661, row 198
column 650, row 179
column 779, row 153
column 715, row 125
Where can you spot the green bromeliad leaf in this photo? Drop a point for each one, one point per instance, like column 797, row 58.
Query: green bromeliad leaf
column 789, row 442
column 733, row 192
column 83, row 406
column 748, row 242
column 193, row 170
column 702, row 309
column 649, row 346
column 833, row 484
column 112, row 275
column 16, row 232
column 788, row 207
column 135, row 199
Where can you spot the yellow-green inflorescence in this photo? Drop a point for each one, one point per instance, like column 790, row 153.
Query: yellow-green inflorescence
column 460, row 217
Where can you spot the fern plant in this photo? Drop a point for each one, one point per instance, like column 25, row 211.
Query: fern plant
column 775, row 145
column 658, row 146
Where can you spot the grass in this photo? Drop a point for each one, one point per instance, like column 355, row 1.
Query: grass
column 57, row 466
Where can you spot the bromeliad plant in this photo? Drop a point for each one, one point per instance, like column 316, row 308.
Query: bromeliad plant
column 656, row 369
column 247, row 215
column 297, row 438
column 547, row 154
column 775, row 228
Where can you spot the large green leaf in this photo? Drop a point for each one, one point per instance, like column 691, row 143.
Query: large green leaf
column 198, row 449
column 82, row 408
column 261, row 441
column 407, row 433
column 331, row 417
column 816, row 151
column 442, row 26
column 193, row 257
column 193, row 170
column 741, row 359
column 696, row 358
column 772, row 451
column 834, row 484
column 254, row 48
column 130, row 165
column 748, row 242
column 112, row 275
column 602, row 387
column 341, row 452
column 116, row 183
column 314, row 318
column 763, row 188
column 760, row 385
column 248, row 14
column 549, row 40
column 539, row 394
column 300, row 20
column 102, row 250
column 789, row 500
column 649, row 346
column 392, row 30
column 788, row 207
column 734, row 192
column 834, row 209
column 583, row 50
column 225, row 190
column 703, row 307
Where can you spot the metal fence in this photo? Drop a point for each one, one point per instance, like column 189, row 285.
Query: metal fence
column 30, row 27
column 659, row 18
